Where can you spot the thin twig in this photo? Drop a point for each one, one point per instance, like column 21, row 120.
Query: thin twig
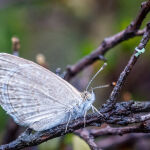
column 115, row 92
column 110, row 42
column 88, row 138
column 15, row 46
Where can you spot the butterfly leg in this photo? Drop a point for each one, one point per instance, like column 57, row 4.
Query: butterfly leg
column 93, row 109
column 85, row 118
column 68, row 122
column 96, row 110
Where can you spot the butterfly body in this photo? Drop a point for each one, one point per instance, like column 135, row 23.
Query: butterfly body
column 36, row 97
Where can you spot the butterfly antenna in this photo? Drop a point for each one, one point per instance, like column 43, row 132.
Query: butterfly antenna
column 101, row 86
column 96, row 75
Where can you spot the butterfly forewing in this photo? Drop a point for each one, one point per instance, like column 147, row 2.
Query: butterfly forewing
column 32, row 94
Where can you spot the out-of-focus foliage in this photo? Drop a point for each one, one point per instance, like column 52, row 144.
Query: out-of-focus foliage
column 79, row 144
column 67, row 30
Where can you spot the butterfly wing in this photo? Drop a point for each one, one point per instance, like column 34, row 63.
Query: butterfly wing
column 32, row 94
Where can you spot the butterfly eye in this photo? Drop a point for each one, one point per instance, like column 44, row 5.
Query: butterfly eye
column 86, row 96
column 89, row 96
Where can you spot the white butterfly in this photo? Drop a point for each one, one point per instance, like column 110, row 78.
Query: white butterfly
column 37, row 98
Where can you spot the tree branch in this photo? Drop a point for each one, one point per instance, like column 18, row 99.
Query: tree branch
column 88, row 138
column 118, row 117
column 140, row 128
column 115, row 92
column 88, row 135
column 110, row 42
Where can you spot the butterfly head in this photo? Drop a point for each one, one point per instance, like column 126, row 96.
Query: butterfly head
column 87, row 96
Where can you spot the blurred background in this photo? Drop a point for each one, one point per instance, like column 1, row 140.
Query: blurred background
column 64, row 31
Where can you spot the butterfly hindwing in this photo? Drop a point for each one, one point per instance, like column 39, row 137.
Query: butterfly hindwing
column 32, row 94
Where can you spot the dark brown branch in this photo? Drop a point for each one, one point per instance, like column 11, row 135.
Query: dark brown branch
column 88, row 135
column 118, row 117
column 110, row 42
column 140, row 32
column 113, row 142
column 88, row 138
column 115, row 92
column 140, row 128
